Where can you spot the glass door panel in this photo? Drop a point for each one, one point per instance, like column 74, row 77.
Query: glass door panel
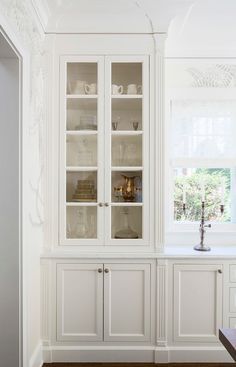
column 82, row 98
column 81, row 114
column 81, row 186
column 81, row 150
column 126, row 187
column 126, row 78
column 126, row 151
column 81, row 78
column 126, row 114
column 126, row 222
column 81, row 222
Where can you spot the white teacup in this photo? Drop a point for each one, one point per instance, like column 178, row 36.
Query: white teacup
column 76, row 87
column 117, row 89
column 134, row 89
column 90, row 88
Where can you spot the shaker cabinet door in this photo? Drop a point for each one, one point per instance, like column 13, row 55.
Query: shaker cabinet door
column 127, row 302
column 197, row 304
column 79, row 302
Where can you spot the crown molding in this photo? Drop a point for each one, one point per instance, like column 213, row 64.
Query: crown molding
column 42, row 11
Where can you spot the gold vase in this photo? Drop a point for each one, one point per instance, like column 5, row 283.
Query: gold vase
column 128, row 191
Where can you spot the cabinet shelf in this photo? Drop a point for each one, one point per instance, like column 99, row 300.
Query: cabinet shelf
column 125, row 203
column 81, row 203
column 81, row 96
column 127, row 132
column 81, row 168
column 126, row 96
column 81, row 132
column 129, row 168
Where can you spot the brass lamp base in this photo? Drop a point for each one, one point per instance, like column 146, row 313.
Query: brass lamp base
column 202, row 248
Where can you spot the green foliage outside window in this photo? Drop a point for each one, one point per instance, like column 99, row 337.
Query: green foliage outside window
column 212, row 178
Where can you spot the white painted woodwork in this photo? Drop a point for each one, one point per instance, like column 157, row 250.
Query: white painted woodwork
column 108, row 216
column 232, row 322
column 162, row 303
column 10, row 197
column 197, row 302
column 100, row 144
column 232, row 273
column 159, row 86
column 127, row 302
column 79, row 302
column 232, row 299
column 144, row 223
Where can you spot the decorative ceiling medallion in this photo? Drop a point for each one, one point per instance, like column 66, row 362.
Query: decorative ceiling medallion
column 214, row 76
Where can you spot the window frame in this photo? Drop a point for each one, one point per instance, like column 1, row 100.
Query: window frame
column 175, row 230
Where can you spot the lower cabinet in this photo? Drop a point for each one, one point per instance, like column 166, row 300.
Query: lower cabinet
column 197, row 306
column 103, row 302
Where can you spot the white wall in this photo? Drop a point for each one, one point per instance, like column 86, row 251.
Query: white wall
column 9, row 211
column 19, row 20
column 204, row 29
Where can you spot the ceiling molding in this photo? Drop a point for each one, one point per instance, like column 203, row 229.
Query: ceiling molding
column 42, row 11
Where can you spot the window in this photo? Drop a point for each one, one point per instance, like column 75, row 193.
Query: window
column 201, row 157
column 203, row 153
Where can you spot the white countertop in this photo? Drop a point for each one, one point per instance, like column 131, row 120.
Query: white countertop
column 220, row 252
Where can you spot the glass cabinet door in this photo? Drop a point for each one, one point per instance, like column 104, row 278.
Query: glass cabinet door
column 128, row 150
column 81, row 180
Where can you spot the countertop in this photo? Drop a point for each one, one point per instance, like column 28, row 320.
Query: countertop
column 181, row 252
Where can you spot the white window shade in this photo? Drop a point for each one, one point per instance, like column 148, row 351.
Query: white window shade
column 203, row 129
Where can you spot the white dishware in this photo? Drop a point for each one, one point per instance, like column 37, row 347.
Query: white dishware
column 117, row 89
column 90, row 88
column 134, row 89
column 77, row 87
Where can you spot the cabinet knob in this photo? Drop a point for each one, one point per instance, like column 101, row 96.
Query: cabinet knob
column 100, row 204
column 219, row 271
column 100, row 270
column 106, row 270
column 106, row 204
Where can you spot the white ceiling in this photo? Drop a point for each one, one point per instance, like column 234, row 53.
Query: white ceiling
column 195, row 27
column 207, row 28
column 108, row 16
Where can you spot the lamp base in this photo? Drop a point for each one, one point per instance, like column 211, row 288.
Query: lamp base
column 202, row 248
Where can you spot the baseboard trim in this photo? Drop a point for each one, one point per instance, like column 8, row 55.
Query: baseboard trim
column 36, row 360
column 98, row 354
column 192, row 355
column 145, row 354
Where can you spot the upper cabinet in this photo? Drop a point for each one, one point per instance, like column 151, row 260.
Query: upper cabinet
column 104, row 150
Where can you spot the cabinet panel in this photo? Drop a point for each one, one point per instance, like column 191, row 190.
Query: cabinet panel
column 197, row 302
column 232, row 299
column 79, row 302
column 127, row 302
column 232, row 273
column 232, row 322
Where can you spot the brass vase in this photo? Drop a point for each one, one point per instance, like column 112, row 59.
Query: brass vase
column 128, row 191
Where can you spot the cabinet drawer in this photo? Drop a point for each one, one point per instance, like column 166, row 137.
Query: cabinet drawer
column 232, row 299
column 232, row 273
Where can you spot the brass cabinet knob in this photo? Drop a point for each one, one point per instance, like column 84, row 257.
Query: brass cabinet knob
column 100, row 270
column 100, row 204
column 219, row 271
column 106, row 270
column 106, row 204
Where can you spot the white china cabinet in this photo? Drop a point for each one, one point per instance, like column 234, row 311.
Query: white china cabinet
column 104, row 150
